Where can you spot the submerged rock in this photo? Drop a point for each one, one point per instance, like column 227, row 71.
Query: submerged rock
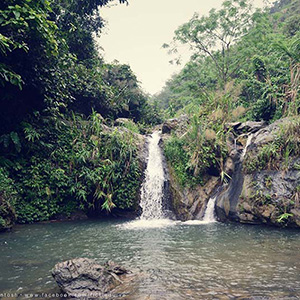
column 85, row 278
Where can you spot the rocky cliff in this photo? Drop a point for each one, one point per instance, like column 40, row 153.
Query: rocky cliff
column 188, row 202
column 266, row 185
column 263, row 165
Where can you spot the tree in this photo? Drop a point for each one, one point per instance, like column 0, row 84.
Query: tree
column 78, row 21
column 23, row 26
column 214, row 35
column 48, row 57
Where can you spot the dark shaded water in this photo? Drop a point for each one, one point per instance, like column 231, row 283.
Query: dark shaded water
column 208, row 261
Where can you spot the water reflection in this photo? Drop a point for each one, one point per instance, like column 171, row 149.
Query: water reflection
column 204, row 261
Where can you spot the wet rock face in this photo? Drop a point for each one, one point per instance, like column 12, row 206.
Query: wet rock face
column 85, row 279
column 190, row 203
column 246, row 127
column 262, row 196
column 270, row 197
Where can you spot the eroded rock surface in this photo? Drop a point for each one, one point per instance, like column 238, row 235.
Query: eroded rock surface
column 84, row 278
column 265, row 194
column 257, row 192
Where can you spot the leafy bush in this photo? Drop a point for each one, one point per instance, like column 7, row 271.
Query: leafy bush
column 179, row 158
column 72, row 164
column 200, row 152
column 8, row 197
column 276, row 154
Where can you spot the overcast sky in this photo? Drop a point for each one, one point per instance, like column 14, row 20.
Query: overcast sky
column 135, row 33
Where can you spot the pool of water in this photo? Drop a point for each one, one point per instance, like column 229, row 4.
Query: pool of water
column 177, row 260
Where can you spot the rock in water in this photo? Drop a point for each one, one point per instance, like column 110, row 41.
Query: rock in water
column 85, row 278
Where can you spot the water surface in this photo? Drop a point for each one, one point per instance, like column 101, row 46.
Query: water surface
column 178, row 261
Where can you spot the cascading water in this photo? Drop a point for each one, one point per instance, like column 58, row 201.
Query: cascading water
column 152, row 190
column 152, row 193
column 229, row 197
column 153, row 185
column 249, row 140
column 209, row 215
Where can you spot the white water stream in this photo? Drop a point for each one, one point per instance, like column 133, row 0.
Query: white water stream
column 153, row 185
column 249, row 140
column 152, row 190
column 152, row 193
column 209, row 215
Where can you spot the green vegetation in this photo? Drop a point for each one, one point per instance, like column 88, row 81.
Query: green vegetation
column 201, row 151
column 70, row 164
column 276, row 154
column 251, row 50
column 56, row 155
column 8, row 198
column 59, row 151
column 244, row 66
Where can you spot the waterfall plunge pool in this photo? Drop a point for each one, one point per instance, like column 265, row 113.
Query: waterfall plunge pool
column 174, row 260
column 209, row 261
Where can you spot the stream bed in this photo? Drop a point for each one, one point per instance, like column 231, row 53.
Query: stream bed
column 177, row 260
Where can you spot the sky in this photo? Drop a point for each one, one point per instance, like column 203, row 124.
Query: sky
column 135, row 33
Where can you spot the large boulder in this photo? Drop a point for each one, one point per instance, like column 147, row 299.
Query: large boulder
column 85, row 278
column 246, row 127
column 177, row 124
column 271, row 197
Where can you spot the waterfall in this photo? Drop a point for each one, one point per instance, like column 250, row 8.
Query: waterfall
column 249, row 140
column 153, row 186
column 152, row 190
column 152, row 193
column 209, row 215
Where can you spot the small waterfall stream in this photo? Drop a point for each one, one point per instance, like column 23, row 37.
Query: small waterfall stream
column 229, row 196
column 152, row 193
column 209, row 215
column 152, row 190
column 153, row 185
column 249, row 140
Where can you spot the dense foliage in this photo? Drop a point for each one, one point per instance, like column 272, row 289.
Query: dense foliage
column 54, row 84
column 77, row 164
column 276, row 154
column 245, row 65
column 63, row 165
column 8, row 198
